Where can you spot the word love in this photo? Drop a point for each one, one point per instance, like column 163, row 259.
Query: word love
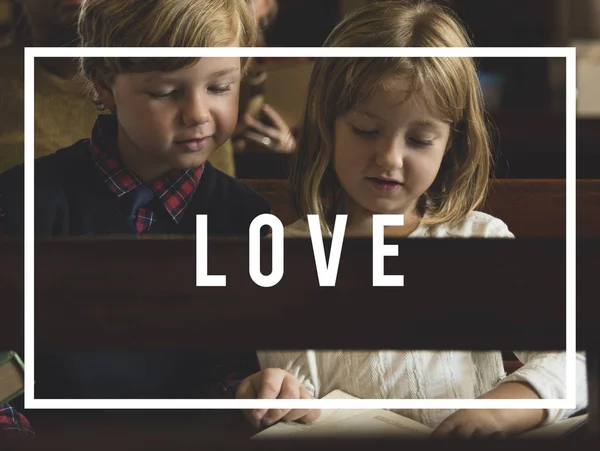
column 326, row 270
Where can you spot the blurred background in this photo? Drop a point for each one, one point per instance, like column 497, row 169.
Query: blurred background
column 525, row 96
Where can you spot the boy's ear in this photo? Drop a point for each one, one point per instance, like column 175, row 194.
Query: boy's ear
column 104, row 91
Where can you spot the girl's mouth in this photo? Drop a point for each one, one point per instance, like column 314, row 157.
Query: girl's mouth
column 384, row 185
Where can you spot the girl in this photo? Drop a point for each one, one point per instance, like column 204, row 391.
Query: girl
column 403, row 136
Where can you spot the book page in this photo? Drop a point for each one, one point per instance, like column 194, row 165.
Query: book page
column 348, row 423
column 11, row 381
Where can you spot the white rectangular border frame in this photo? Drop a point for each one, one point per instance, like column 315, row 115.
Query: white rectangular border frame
column 32, row 403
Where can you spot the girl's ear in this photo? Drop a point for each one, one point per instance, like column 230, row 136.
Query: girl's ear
column 451, row 138
column 104, row 91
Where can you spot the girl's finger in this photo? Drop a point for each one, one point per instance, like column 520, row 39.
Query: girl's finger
column 274, row 415
column 311, row 415
column 464, row 431
column 444, row 429
column 290, row 389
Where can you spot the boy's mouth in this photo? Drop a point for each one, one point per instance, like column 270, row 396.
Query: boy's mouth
column 195, row 144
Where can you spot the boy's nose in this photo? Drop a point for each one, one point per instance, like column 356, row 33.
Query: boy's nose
column 390, row 154
column 195, row 111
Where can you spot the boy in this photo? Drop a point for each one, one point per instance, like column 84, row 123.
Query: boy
column 63, row 113
column 145, row 171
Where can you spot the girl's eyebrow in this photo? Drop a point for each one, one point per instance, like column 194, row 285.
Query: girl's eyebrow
column 429, row 124
column 422, row 123
column 368, row 114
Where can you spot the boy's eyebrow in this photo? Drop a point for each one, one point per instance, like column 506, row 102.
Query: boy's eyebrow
column 161, row 76
column 222, row 72
column 166, row 76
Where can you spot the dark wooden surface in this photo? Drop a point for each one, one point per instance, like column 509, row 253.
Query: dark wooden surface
column 518, row 279
column 142, row 293
column 98, row 293
column 538, row 207
column 190, row 436
column 457, row 294
column 136, row 427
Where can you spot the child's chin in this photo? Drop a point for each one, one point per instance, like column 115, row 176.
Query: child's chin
column 190, row 162
column 384, row 209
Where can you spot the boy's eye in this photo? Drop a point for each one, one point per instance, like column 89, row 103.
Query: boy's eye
column 162, row 95
column 220, row 89
column 364, row 132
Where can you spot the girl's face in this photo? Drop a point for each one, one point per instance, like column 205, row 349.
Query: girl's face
column 387, row 153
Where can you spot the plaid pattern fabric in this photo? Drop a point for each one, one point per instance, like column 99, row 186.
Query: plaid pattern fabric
column 174, row 190
column 13, row 424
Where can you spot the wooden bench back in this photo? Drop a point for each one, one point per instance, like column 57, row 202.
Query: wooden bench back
column 530, row 207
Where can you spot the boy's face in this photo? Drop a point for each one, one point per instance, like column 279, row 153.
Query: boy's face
column 387, row 153
column 174, row 119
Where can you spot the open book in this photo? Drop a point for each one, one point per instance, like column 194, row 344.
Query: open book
column 348, row 423
column 11, row 376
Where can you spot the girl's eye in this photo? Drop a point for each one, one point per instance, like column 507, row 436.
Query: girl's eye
column 363, row 132
column 421, row 142
column 220, row 89
column 162, row 95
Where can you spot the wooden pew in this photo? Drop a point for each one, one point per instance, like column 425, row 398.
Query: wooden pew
column 108, row 285
column 516, row 285
column 530, row 207
column 523, row 282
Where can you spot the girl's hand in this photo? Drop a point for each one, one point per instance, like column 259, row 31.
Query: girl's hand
column 472, row 423
column 494, row 422
column 274, row 383
column 276, row 138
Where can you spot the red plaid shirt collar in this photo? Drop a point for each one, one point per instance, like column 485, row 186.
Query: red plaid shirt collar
column 13, row 424
column 174, row 189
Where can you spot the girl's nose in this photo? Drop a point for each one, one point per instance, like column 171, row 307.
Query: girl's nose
column 390, row 154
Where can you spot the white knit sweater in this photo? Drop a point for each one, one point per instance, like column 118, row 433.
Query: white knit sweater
column 431, row 374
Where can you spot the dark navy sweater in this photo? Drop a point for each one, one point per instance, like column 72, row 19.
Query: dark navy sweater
column 71, row 199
